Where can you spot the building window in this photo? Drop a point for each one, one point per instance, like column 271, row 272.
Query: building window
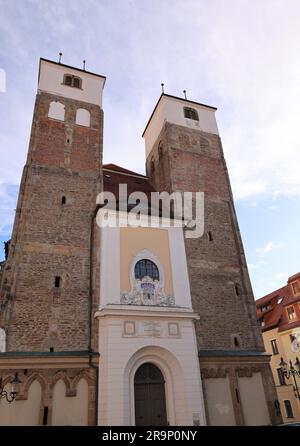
column 68, row 79
column 274, row 347
column 152, row 166
column 288, row 409
column 236, row 341
column 146, row 268
column 45, row 416
column 160, row 150
column 57, row 282
column 63, row 200
column 76, row 82
column 291, row 313
column 237, row 289
column 281, row 377
column 191, row 113
column 72, row 81
column 296, row 287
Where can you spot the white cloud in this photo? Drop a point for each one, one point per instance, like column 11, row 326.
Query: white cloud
column 257, row 265
column 279, row 276
column 241, row 56
column 8, row 199
column 270, row 246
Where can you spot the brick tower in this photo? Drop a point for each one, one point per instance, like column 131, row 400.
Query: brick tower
column 46, row 298
column 184, row 153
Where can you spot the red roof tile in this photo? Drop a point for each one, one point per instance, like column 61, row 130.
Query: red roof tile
column 120, row 169
column 276, row 315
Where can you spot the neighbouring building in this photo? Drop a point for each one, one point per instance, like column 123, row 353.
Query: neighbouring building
column 127, row 325
column 279, row 316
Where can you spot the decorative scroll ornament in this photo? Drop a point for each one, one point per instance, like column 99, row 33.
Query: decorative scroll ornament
column 147, row 291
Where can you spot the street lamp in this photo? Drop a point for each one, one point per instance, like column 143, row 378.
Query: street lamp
column 10, row 396
column 291, row 371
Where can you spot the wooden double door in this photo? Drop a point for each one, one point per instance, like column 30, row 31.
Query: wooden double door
column 149, row 396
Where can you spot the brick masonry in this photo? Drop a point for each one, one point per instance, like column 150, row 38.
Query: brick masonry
column 51, row 238
column 184, row 159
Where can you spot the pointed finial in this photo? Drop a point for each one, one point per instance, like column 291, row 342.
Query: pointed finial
column 60, row 54
column 184, row 92
column 83, row 64
column 162, row 88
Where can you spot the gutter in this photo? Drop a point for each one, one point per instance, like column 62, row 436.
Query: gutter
column 90, row 308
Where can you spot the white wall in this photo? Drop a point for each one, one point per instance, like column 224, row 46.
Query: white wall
column 219, row 402
column 171, row 110
column 70, row 410
column 22, row 412
column 51, row 81
column 121, row 355
column 110, row 288
column 253, row 400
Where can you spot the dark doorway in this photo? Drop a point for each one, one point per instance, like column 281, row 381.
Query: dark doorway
column 149, row 396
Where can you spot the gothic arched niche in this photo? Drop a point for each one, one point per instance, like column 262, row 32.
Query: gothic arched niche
column 83, row 117
column 2, row 340
column 24, row 412
column 56, row 111
column 70, row 410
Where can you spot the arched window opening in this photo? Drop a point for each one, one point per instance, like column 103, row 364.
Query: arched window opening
column 76, row 82
column 56, row 110
column 191, row 113
column 237, row 289
column 83, row 117
column 152, row 166
column 145, row 268
column 160, row 150
column 68, row 80
column 72, row 81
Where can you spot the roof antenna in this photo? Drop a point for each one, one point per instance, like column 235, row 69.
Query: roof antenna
column 184, row 92
column 83, row 64
column 60, row 54
column 162, row 88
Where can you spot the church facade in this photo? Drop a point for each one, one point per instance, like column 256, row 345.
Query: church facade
column 127, row 324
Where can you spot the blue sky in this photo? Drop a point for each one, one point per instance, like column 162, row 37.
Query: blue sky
column 241, row 56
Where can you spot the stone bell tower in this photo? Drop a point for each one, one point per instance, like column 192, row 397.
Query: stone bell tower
column 46, row 286
column 184, row 153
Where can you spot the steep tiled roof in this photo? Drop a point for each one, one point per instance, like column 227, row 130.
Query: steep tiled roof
column 275, row 314
column 114, row 175
column 120, row 169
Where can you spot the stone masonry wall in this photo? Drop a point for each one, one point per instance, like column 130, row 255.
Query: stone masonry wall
column 51, row 238
column 185, row 159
